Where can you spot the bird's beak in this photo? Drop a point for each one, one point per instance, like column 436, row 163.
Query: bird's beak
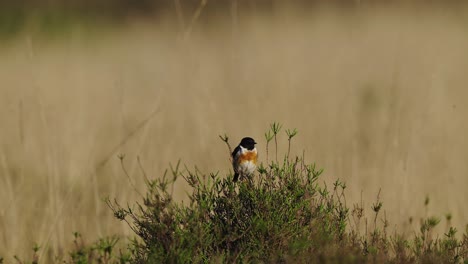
column 255, row 142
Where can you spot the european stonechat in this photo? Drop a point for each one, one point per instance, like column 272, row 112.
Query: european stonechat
column 244, row 158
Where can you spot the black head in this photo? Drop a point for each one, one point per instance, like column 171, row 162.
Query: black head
column 248, row 143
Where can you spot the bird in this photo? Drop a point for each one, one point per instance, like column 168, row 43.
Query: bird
column 244, row 158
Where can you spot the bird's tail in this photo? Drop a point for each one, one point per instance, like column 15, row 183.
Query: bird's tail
column 236, row 177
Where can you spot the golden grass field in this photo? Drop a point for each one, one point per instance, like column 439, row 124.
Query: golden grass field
column 378, row 97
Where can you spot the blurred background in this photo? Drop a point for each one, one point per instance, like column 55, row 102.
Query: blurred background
column 377, row 91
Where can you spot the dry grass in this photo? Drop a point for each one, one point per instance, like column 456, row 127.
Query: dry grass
column 379, row 99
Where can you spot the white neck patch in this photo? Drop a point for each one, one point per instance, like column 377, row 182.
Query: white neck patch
column 244, row 150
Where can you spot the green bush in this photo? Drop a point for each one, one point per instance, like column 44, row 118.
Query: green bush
column 266, row 219
column 281, row 215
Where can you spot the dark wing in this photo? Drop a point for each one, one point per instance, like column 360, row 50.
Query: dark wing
column 235, row 159
column 236, row 150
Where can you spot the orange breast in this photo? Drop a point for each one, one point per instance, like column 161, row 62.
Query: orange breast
column 249, row 156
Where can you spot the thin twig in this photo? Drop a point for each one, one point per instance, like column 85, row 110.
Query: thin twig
column 267, row 152
column 225, row 139
column 141, row 168
column 276, row 149
column 121, row 157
